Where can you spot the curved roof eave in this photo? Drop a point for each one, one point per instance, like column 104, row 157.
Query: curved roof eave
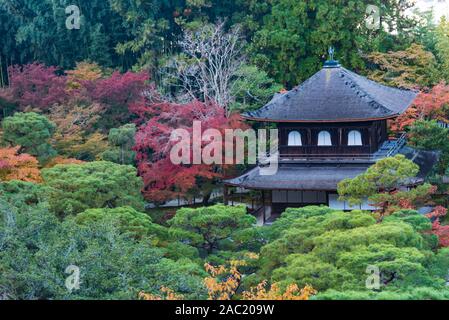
column 319, row 121
column 335, row 95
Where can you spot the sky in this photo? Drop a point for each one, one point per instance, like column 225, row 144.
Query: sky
column 440, row 7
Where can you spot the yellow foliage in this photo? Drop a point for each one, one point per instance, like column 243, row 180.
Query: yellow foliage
column 291, row 293
column 74, row 123
column 95, row 145
column 223, row 283
column 76, row 145
column 84, row 71
column 62, row 160
column 168, row 295
column 75, row 119
column 223, row 289
column 406, row 69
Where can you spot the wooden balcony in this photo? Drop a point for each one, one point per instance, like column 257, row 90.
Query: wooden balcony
column 339, row 153
column 326, row 152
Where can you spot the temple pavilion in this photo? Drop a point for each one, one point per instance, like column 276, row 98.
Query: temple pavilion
column 331, row 127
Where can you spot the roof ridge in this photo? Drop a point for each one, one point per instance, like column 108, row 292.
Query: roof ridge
column 335, row 94
column 297, row 88
column 373, row 99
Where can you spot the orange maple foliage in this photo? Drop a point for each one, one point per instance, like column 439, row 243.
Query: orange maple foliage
column 62, row 160
column 438, row 229
column 412, row 68
column 168, row 295
column 429, row 105
column 73, row 119
column 223, row 284
column 75, row 127
column 15, row 166
column 84, row 71
column 293, row 292
column 223, row 289
column 405, row 120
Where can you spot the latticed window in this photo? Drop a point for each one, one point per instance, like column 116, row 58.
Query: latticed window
column 294, row 139
column 355, row 138
column 324, row 139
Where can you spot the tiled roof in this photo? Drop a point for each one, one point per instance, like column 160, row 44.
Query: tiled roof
column 299, row 177
column 426, row 160
column 335, row 95
column 325, row 176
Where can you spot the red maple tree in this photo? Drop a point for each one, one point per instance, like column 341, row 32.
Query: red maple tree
column 429, row 105
column 116, row 94
column 118, row 89
column 36, row 86
column 164, row 180
column 441, row 231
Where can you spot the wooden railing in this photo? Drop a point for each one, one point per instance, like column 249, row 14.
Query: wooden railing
column 314, row 153
column 402, row 141
column 319, row 157
column 308, row 153
column 324, row 150
column 329, row 157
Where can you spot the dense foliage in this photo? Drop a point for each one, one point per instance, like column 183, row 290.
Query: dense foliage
column 37, row 248
column 331, row 250
column 75, row 188
column 205, row 228
column 31, row 132
column 87, row 182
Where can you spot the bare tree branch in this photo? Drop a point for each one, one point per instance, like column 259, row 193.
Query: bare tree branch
column 208, row 65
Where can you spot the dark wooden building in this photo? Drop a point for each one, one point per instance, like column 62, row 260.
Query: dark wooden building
column 331, row 127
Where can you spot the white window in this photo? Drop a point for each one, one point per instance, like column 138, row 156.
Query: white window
column 294, row 139
column 324, row 139
column 355, row 138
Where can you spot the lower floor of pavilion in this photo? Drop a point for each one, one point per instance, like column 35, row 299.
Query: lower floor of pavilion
column 307, row 183
column 268, row 205
column 293, row 186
